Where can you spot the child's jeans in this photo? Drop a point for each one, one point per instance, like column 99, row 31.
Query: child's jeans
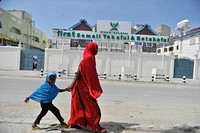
column 45, row 108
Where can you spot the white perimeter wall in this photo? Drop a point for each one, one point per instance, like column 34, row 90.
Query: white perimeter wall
column 196, row 69
column 10, row 57
column 109, row 62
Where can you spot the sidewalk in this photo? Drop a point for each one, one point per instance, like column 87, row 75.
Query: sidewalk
column 37, row 74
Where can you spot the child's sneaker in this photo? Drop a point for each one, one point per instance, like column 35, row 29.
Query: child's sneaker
column 64, row 125
column 35, row 127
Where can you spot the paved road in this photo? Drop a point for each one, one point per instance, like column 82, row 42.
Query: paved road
column 126, row 106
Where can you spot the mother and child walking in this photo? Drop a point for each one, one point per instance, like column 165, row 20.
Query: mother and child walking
column 85, row 88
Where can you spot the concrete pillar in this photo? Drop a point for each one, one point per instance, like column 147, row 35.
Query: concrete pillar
column 139, row 66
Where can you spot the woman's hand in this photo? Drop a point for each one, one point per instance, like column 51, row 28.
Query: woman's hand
column 70, row 87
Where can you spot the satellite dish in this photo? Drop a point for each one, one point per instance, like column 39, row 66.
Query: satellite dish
column 181, row 26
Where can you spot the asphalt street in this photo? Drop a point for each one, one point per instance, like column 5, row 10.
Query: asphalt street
column 126, row 106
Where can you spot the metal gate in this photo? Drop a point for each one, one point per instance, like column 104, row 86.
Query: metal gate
column 183, row 67
column 32, row 59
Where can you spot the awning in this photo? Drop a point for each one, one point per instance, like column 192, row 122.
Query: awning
column 5, row 37
column 2, row 36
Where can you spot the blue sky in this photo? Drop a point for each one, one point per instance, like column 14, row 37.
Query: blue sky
column 49, row 14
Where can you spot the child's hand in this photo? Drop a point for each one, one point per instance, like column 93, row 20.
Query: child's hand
column 68, row 89
column 26, row 100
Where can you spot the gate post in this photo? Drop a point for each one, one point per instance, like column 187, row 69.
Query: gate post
column 152, row 77
column 167, row 78
column 41, row 72
column 184, row 79
column 135, row 77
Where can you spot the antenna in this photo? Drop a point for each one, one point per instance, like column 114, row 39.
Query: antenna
column 183, row 25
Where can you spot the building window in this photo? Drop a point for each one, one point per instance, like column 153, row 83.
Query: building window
column 192, row 41
column 15, row 30
column 75, row 40
column 36, row 39
column 165, row 49
column 43, row 42
column 177, row 47
column 138, row 43
column 149, row 45
column 87, row 41
column 171, row 48
column 158, row 51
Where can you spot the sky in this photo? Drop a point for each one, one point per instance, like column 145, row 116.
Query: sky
column 49, row 14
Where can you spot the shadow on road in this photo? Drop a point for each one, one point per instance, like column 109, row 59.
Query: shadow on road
column 113, row 127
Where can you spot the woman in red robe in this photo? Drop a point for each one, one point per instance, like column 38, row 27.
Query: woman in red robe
column 86, row 89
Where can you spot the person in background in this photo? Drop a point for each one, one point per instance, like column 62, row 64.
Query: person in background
column 85, row 111
column 45, row 94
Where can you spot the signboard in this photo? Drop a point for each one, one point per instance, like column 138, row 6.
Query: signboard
column 96, row 36
column 114, row 27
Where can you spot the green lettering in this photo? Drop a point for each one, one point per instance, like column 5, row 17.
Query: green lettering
column 143, row 38
column 113, row 37
column 121, row 38
column 138, row 38
column 78, row 35
column 132, row 38
column 65, row 34
column 59, row 33
column 88, row 36
column 73, row 34
column 68, row 34
column 97, row 35
column 104, row 36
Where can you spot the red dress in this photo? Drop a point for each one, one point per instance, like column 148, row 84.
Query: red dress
column 85, row 110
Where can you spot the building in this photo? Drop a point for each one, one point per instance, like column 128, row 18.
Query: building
column 122, row 49
column 18, row 28
column 163, row 30
column 146, row 30
column 186, row 49
column 187, row 45
column 112, row 36
column 21, row 43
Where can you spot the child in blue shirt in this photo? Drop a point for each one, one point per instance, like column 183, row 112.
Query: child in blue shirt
column 45, row 94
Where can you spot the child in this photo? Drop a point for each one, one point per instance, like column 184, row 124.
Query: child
column 45, row 94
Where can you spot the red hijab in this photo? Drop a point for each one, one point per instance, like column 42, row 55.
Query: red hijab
column 88, row 71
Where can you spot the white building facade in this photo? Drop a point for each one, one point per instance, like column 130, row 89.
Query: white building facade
column 187, row 48
column 110, row 36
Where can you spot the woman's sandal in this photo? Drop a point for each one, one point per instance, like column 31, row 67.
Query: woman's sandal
column 102, row 130
column 76, row 126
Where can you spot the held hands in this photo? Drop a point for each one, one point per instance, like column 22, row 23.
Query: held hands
column 68, row 89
